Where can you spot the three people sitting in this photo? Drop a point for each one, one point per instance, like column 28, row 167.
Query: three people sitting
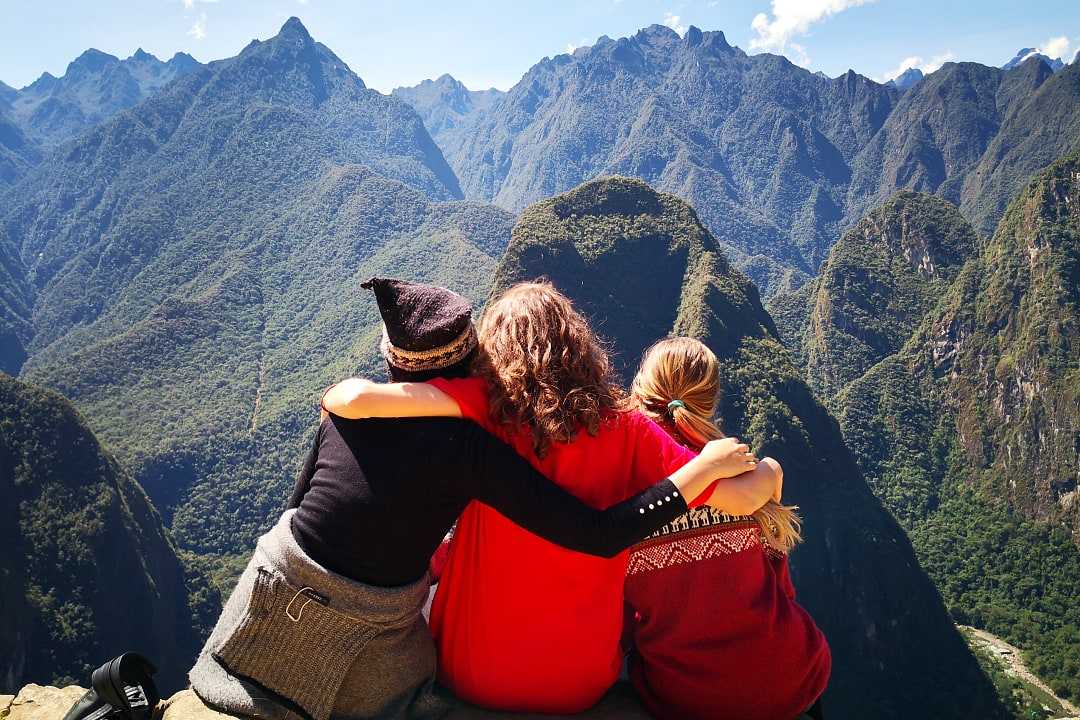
column 517, row 431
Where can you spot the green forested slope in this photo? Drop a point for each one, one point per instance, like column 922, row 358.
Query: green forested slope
column 87, row 570
column 193, row 268
column 970, row 433
column 877, row 285
column 642, row 265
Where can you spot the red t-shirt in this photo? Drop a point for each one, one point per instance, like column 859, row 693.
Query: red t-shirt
column 520, row 623
column 736, row 644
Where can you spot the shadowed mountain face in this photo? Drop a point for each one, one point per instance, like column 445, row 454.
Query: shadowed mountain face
column 953, row 367
column 191, row 269
column 88, row 570
column 17, row 153
column 642, row 265
column 95, row 87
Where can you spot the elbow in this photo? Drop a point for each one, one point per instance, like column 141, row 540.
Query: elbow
column 609, row 551
column 347, row 399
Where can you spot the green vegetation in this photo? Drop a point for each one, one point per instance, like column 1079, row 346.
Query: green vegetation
column 969, row 432
column 88, row 569
column 642, row 265
column 877, row 285
column 197, row 263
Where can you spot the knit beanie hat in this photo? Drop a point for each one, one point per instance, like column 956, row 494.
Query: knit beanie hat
column 425, row 327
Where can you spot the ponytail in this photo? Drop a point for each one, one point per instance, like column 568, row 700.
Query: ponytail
column 677, row 385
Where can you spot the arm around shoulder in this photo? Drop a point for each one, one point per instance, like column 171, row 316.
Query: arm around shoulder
column 356, row 398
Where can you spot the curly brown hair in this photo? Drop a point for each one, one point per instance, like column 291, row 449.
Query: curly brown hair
column 544, row 366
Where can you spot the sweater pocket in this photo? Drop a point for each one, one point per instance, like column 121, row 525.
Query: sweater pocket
column 290, row 641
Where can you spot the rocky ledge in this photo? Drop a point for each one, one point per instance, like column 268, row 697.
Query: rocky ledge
column 37, row 702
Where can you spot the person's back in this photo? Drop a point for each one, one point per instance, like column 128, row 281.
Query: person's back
column 738, row 644
column 519, row 622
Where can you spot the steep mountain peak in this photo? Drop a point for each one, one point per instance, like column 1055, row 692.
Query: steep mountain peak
column 182, row 60
column 658, row 34
column 1026, row 54
column 878, row 283
column 906, row 79
column 90, row 61
column 44, row 82
column 141, row 55
column 293, row 29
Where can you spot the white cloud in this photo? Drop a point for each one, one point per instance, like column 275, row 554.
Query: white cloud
column 673, row 22
column 198, row 30
column 571, row 47
column 1057, row 48
column 917, row 62
column 935, row 63
column 188, row 4
column 791, row 19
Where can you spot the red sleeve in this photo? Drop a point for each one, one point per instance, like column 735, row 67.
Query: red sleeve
column 657, row 455
column 471, row 396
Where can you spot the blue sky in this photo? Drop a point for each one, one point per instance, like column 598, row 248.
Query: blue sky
column 488, row 44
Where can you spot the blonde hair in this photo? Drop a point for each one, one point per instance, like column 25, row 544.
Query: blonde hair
column 683, row 369
column 544, row 367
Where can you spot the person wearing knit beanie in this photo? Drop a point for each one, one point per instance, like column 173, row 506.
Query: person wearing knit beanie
column 428, row 331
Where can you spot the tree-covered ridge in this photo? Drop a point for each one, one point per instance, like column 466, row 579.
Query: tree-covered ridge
column 879, row 282
column 190, row 269
column 88, row 569
column 642, row 266
column 96, row 86
column 971, row 431
column 205, row 374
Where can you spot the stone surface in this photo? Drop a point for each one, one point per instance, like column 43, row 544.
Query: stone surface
column 186, row 705
column 37, row 702
column 620, row 704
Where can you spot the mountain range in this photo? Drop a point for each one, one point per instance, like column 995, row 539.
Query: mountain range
column 185, row 269
column 779, row 160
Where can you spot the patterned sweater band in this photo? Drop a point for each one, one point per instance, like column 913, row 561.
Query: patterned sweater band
column 434, row 359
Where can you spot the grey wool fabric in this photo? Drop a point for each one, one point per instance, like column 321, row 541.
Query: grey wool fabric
column 296, row 640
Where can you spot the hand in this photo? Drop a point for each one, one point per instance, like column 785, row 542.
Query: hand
column 778, row 472
column 728, row 457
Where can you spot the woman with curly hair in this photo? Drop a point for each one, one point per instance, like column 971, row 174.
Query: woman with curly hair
column 750, row 652
column 522, row 624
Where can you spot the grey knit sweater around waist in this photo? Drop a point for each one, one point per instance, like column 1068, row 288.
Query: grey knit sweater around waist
column 295, row 639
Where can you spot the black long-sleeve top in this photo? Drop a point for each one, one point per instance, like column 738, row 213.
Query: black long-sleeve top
column 376, row 497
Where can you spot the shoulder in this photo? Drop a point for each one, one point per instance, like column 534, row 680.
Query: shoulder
column 471, row 395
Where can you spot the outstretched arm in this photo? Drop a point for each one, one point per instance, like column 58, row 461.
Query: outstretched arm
column 500, row 478
column 357, row 398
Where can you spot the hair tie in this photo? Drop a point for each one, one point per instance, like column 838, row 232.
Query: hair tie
column 675, row 404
